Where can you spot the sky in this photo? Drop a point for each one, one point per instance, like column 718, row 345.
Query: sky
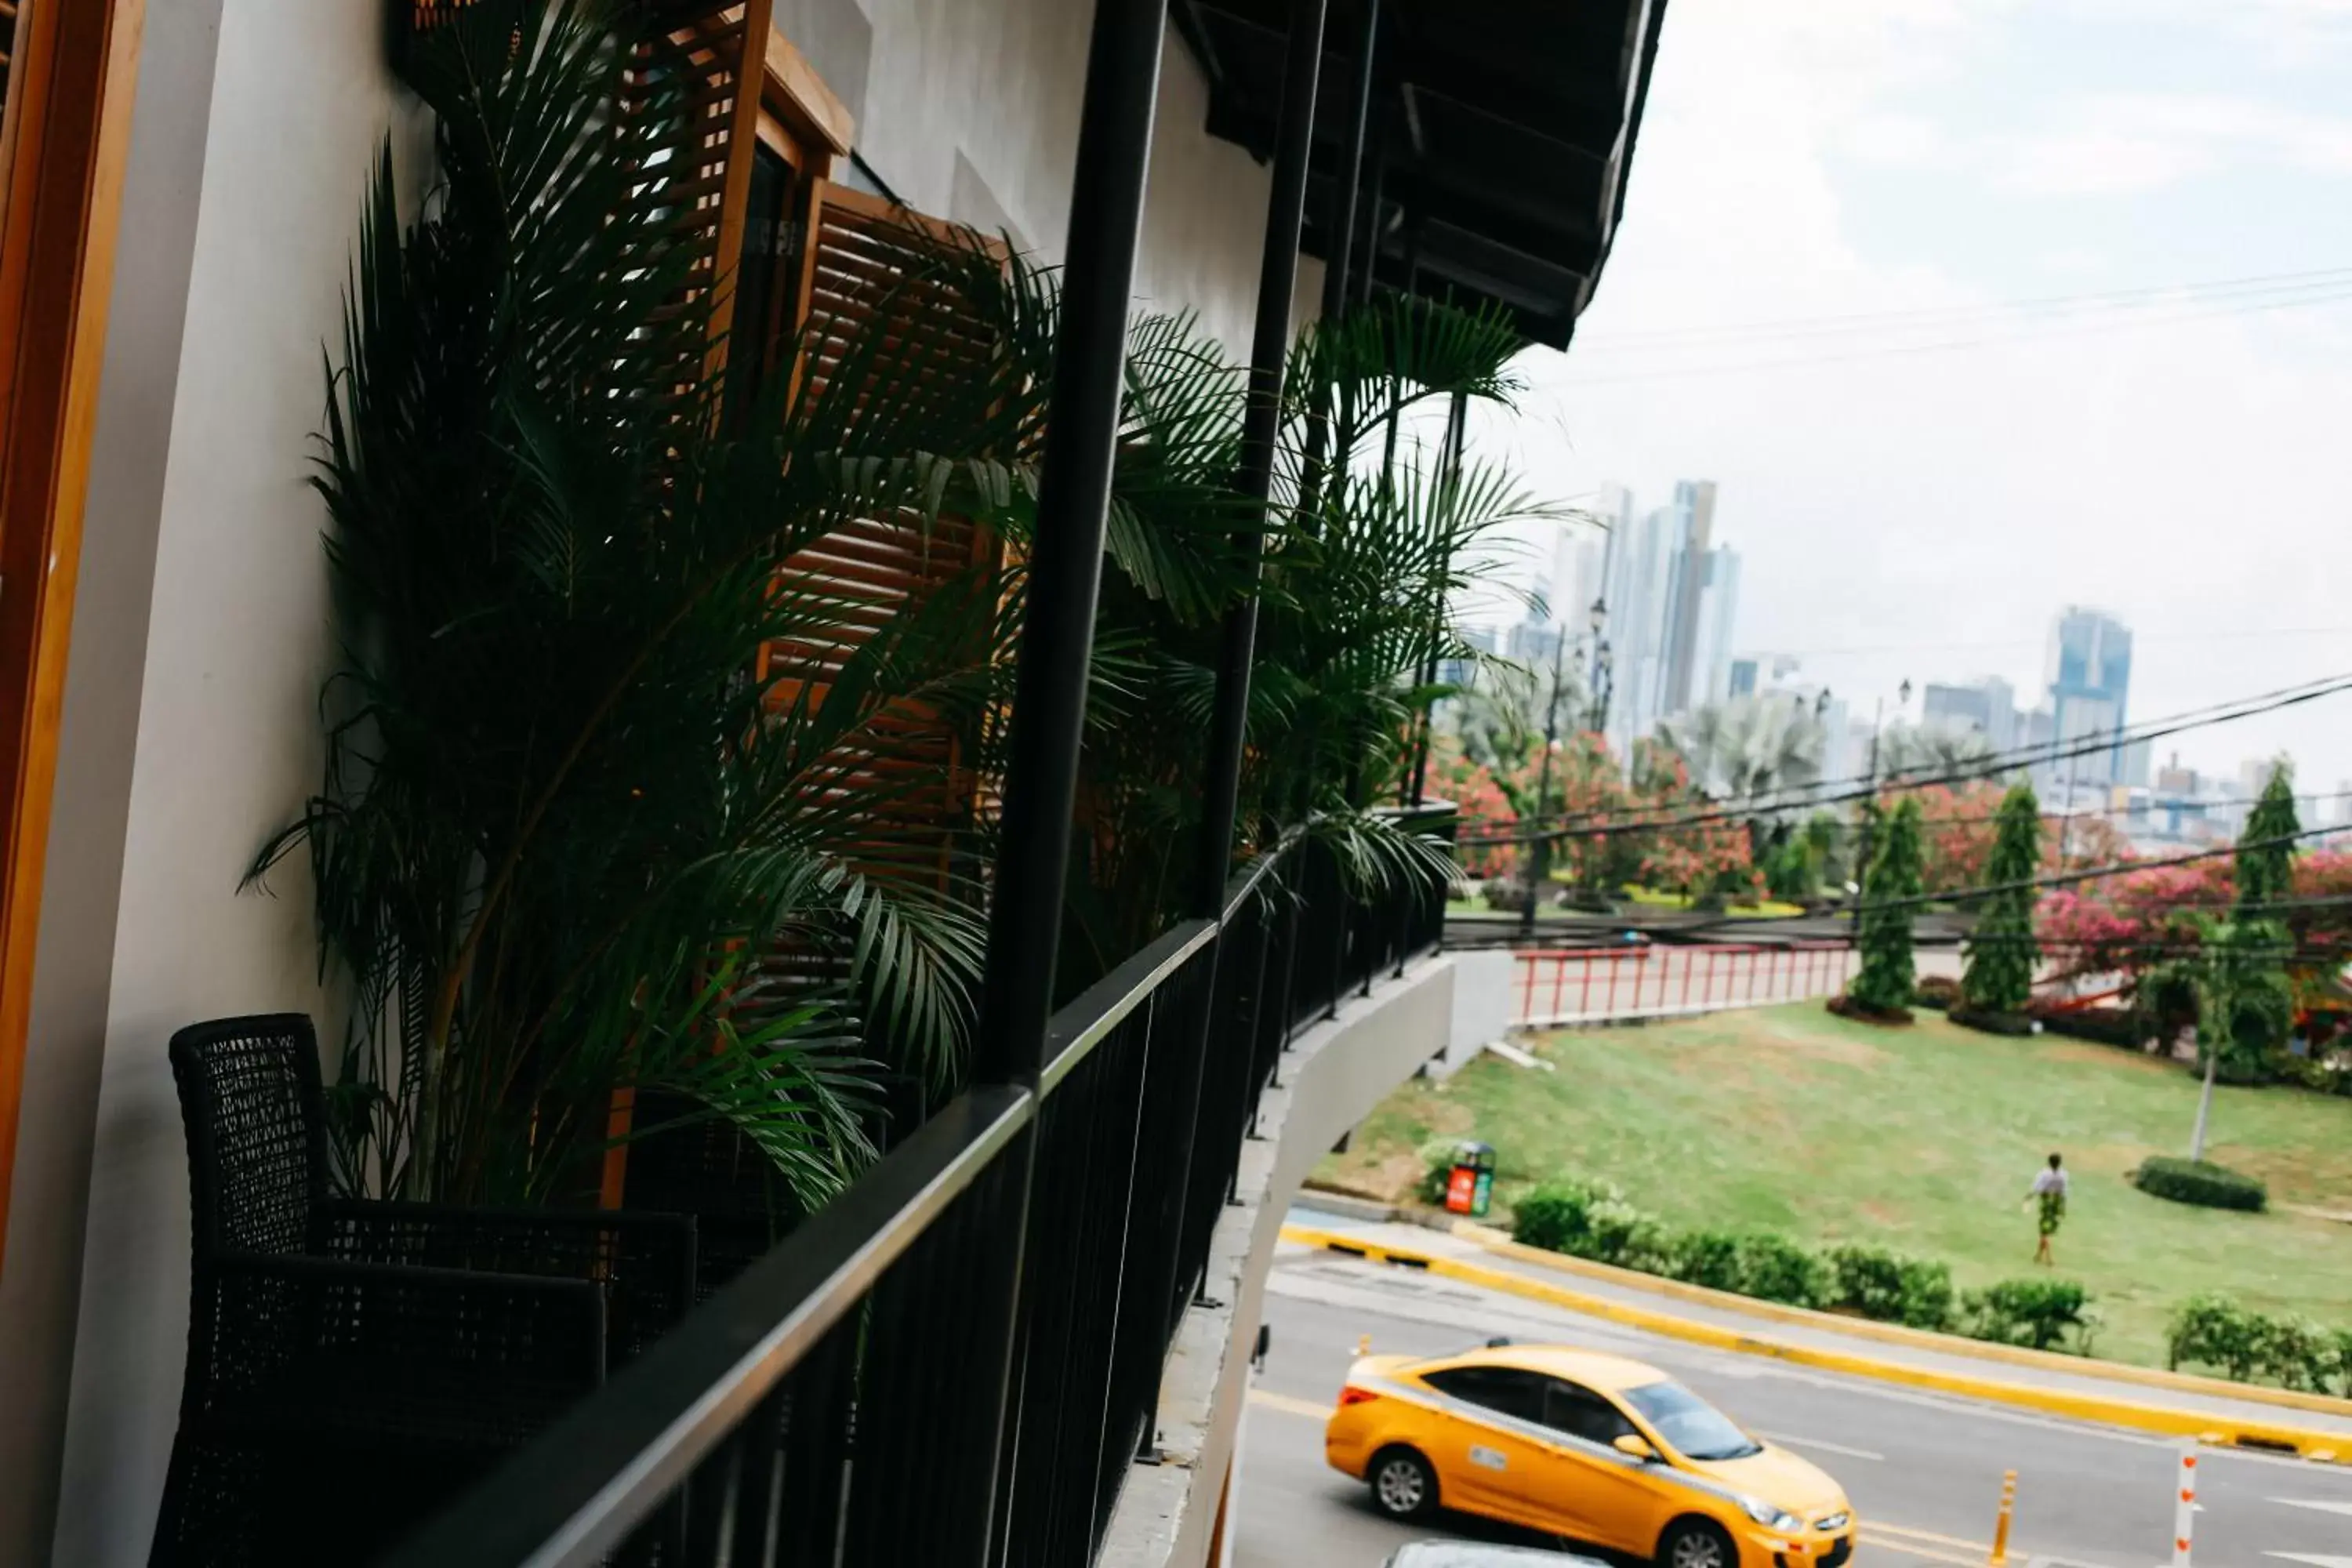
column 1907, row 509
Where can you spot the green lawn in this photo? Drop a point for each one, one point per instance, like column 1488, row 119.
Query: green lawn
column 1922, row 1139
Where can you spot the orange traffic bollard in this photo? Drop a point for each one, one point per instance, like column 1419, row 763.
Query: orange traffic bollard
column 2000, row 1557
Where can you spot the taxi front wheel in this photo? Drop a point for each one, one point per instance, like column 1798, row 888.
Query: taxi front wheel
column 1404, row 1485
column 1696, row 1543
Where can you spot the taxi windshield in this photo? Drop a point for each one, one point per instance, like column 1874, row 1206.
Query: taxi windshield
column 1691, row 1426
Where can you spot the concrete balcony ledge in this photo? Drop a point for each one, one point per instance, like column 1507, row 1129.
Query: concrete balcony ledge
column 1328, row 1082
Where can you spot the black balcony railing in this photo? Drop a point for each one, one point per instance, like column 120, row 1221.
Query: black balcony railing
column 824, row 1408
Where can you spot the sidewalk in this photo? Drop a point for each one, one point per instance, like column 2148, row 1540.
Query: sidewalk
column 2087, row 1394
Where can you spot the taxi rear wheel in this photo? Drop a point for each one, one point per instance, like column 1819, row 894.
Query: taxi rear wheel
column 1404, row 1485
column 1696, row 1543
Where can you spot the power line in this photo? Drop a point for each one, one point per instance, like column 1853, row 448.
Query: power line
column 2055, row 814
column 2091, row 328
column 1807, row 796
column 2232, row 635
column 1938, row 315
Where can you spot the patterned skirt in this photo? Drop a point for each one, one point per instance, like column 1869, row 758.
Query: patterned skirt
column 2054, row 1209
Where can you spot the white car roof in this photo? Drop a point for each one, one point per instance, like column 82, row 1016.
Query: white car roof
column 1474, row 1554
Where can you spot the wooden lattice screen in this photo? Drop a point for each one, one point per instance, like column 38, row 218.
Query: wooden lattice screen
column 705, row 187
column 860, row 257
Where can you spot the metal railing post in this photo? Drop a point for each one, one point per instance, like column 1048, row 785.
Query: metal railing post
column 1049, row 702
column 1261, row 427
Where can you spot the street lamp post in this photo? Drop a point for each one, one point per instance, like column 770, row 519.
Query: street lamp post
column 1596, row 617
column 1540, row 851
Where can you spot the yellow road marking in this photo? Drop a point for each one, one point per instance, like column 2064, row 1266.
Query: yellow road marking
column 1289, row 1406
column 2325, row 1447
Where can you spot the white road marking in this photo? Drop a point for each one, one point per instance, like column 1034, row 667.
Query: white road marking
column 1266, row 1398
column 2316, row 1559
column 1823, row 1444
column 2316, row 1504
column 1359, row 1285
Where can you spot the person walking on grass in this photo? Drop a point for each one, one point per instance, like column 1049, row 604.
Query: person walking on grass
column 2049, row 1194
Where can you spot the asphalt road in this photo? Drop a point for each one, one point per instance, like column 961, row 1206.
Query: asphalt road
column 1923, row 1470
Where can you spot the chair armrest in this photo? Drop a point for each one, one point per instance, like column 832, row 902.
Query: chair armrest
column 648, row 1258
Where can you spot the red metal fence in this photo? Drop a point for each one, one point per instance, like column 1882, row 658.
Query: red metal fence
column 1579, row 984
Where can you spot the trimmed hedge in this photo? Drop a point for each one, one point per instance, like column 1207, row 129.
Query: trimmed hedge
column 1891, row 1288
column 2107, row 1025
column 2200, row 1181
column 2015, row 1023
column 2242, row 1344
column 2043, row 1314
column 1774, row 1268
column 1586, row 1217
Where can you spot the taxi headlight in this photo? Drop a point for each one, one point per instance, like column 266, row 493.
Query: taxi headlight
column 1765, row 1514
column 1837, row 1520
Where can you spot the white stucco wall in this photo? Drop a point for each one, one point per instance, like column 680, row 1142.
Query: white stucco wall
column 228, row 741
column 994, row 86
column 966, row 107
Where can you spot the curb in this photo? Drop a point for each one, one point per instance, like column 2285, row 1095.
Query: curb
column 1495, row 1242
column 2324, row 1447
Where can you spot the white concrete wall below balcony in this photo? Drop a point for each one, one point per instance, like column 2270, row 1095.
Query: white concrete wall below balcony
column 1329, row 1080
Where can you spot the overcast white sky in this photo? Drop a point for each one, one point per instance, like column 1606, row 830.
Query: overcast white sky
column 1925, row 513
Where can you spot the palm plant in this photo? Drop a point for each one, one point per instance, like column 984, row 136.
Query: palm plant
column 1364, row 552
column 575, row 836
column 1383, row 537
column 1929, row 750
column 565, row 826
column 1747, row 748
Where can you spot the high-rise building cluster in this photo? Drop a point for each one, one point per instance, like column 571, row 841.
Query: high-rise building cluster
column 1668, row 594
column 1671, row 598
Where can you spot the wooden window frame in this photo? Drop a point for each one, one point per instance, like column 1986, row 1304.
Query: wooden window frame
column 65, row 146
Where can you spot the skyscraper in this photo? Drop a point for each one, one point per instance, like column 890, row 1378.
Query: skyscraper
column 2088, row 667
column 1639, row 594
column 1987, row 705
column 1673, row 600
column 1693, row 545
column 1718, row 615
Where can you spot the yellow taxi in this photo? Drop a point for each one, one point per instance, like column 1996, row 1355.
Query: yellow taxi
column 1591, row 1446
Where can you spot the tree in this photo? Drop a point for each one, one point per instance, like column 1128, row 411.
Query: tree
column 1887, row 976
column 2265, row 860
column 1931, row 750
column 2244, row 1001
column 1959, row 823
column 2001, row 955
column 1748, row 747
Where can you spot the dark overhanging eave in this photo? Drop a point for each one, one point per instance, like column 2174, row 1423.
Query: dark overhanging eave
column 1509, row 133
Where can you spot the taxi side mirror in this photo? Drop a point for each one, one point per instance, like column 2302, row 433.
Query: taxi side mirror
column 1635, row 1448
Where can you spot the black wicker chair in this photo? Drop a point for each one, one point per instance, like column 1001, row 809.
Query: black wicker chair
column 351, row 1364
column 706, row 1168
